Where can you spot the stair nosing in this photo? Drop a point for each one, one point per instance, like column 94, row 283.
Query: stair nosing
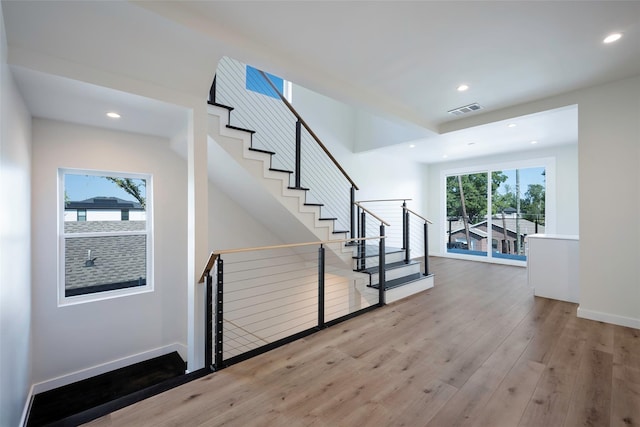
column 260, row 150
column 280, row 170
column 242, row 129
column 216, row 104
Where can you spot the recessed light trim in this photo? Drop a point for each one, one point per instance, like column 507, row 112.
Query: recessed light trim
column 534, row 142
column 444, row 156
column 113, row 115
column 511, row 125
column 463, row 88
column 613, row 37
column 412, row 145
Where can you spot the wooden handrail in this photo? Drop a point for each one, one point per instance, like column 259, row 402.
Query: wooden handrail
column 311, row 132
column 418, row 215
column 383, row 200
column 372, row 214
column 215, row 254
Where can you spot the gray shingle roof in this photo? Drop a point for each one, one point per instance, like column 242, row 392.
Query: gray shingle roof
column 104, row 203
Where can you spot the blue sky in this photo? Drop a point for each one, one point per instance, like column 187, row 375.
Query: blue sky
column 527, row 176
column 82, row 187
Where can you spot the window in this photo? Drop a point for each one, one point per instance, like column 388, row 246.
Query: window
column 106, row 248
column 256, row 83
column 501, row 205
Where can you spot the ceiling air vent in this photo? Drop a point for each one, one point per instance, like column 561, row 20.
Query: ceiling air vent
column 465, row 109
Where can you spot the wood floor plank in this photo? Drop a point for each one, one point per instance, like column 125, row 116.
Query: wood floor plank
column 508, row 402
column 550, row 401
column 478, row 349
column 591, row 401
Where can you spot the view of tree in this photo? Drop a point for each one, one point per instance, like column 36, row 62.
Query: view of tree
column 503, row 196
column 533, row 203
column 474, row 187
column 128, row 185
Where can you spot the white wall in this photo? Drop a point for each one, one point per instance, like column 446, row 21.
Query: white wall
column 566, row 219
column 609, row 154
column 84, row 336
column 231, row 227
column 15, row 245
column 339, row 127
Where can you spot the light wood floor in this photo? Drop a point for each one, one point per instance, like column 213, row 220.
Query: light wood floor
column 477, row 350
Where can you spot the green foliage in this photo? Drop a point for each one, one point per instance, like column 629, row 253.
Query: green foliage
column 474, row 187
column 128, row 185
column 533, row 202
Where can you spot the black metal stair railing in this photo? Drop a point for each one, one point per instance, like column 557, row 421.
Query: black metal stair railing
column 407, row 230
column 260, row 106
column 258, row 299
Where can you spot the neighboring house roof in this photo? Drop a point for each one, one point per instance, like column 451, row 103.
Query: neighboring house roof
column 104, row 203
column 526, row 226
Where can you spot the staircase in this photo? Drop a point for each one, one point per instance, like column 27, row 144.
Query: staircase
column 253, row 181
column 402, row 278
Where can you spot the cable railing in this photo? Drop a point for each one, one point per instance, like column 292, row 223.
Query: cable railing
column 261, row 298
column 407, row 230
column 260, row 106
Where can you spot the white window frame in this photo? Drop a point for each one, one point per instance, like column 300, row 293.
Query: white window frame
column 64, row 300
column 549, row 163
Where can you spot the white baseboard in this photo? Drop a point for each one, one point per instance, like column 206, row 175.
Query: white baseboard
column 609, row 318
column 106, row 367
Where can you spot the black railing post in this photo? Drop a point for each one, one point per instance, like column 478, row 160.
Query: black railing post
column 362, row 252
column 407, row 250
column 404, row 224
column 321, row 286
column 219, row 315
column 208, row 332
column 382, row 281
column 426, row 248
column 352, row 212
column 298, row 154
column 212, row 90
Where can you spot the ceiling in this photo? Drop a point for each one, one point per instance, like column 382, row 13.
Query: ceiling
column 396, row 59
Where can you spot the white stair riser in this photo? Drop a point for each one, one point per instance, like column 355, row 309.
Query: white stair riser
column 409, row 289
column 396, row 273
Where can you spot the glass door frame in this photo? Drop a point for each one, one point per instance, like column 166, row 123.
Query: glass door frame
column 548, row 163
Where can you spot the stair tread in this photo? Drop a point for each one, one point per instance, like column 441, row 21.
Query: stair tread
column 298, row 188
column 372, row 250
column 327, row 219
column 216, row 104
column 405, row 280
column 390, row 266
column 260, row 150
column 242, row 129
column 340, row 231
column 314, row 204
column 280, row 170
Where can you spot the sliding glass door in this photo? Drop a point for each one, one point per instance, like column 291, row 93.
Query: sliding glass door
column 516, row 200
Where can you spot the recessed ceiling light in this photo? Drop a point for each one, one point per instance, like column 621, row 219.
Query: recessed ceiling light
column 511, row 125
column 113, row 115
column 412, row 145
column 462, row 88
column 445, row 156
column 613, row 37
column 534, row 142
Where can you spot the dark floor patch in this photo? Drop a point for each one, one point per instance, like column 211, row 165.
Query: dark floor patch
column 55, row 405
